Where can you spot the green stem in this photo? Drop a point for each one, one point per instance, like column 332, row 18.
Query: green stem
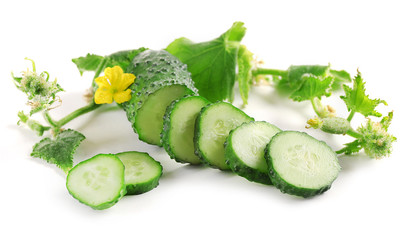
column 351, row 115
column 354, row 134
column 86, row 109
column 318, row 107
column 268, row 71
column 99, row 69
column 49, row 119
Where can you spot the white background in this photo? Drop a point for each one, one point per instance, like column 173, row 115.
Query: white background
column 371, row 198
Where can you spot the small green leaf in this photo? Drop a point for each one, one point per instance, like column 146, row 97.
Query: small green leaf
column 213, row 63
column 357, row 100
column 352, row 147
column 245, row 63
column 88, row 63
column 123, row 58
column 386, row 121
column 60, row 150
column 312, row 87
column 91, row 62
column 293, row 79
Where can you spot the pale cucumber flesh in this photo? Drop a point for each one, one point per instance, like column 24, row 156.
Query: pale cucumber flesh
column 142, row 172
column 300, row 164
column 149, row 118
column 249, row 141
column 97, row 182
column 213, row 126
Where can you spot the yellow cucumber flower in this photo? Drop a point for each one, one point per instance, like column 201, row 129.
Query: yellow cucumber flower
column 113, row 86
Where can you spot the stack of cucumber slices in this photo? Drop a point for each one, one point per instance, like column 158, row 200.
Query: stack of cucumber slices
column 165, row 110
column 224, row 137
column 104, row 179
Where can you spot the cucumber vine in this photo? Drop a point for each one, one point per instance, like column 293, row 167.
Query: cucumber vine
column 215, row 66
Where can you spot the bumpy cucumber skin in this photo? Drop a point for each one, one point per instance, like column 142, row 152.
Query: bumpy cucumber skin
column 108, row 204
column 165, row 134
column 154, row 70
column 237, row 165
column 283, row 185
column 198, row 134
column 135, row 189
column 335, row 125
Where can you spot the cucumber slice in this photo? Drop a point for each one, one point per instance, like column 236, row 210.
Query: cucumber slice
column 179, row 125
column 212, row 127
column 300, row 164
column 97, row 182
column 149, row 118
column 142, row 172
column 244, row 150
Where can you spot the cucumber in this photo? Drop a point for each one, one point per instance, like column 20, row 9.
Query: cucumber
column 244, row 150
column 212, row 127
column 178, row 132
column 97, row 182
column 142, row 172
column 300, row 164
column 160, row 79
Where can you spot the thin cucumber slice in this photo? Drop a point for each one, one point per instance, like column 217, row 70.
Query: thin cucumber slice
column 300, row 164
column 179, row 125
column 244, row 150
column 212, row 127
column 97, row 182
column 142, row 172
column 149, row 118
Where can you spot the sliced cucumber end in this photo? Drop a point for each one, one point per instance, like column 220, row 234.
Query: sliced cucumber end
column 300, row 164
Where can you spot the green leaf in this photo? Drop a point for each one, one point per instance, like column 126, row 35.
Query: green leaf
column 88, row 63
column 245, row 63
column 213, row 63
column 386, row 121
column 292, row 80
column 60, row 150
column 340, row 77
column 123, row 58
column 312, row 87
column 91, row 62
column 351, row 147
column 357, row 100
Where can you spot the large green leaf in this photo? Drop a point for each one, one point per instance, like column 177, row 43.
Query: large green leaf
column 213, row 63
